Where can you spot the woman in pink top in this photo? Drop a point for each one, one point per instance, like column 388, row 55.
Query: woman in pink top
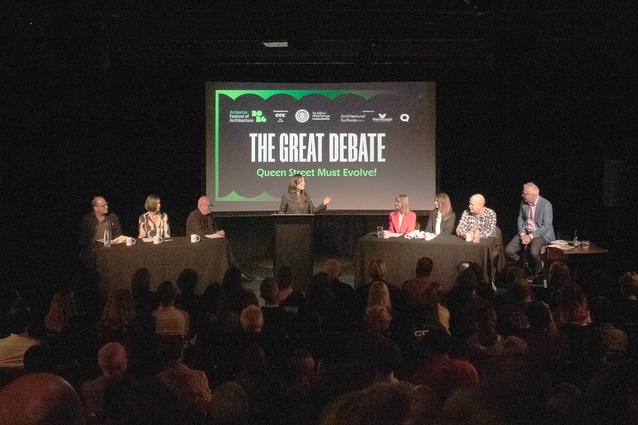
column 402, row 220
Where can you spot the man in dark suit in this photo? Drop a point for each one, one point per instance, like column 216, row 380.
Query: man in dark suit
column 535, row 229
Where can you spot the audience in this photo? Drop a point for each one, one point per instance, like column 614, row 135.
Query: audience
column 506, row 361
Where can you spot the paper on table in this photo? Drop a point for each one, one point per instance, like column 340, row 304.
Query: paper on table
column 147, row 239
column 561, row 247
column 214, row 236
column 415, row 234
column 120, row 239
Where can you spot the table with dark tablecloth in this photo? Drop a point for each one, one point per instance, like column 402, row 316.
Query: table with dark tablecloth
column 115, row 265
column 446, row 251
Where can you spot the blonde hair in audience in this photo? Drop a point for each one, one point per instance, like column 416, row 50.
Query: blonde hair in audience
column 379, row 295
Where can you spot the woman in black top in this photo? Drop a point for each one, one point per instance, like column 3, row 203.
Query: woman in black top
column 297, row 200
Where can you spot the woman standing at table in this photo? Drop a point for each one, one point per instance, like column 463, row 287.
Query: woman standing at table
column 297, row 200
column 442, row 218
column 402, row 220
column 153, row 222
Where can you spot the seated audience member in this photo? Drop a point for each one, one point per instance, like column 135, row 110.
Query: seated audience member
column 571, row 309
column 512, row 314
column 603, row 341
column 117, row 317
column 625, row 312
column 436, row 293
column 188, row 385
column 401, row 220
column 414, row 289
column 153, row 222
column 484, row 288
column 113, row 363
column 514, row 385
column 386, row 357
column 229, row 404
column 235, row 298
column 302, row 388
column 344, row 293
column 565, row 405
column 251, row 319
column 61, row 311
column 558, row 277
column 39, row 358
column 441, row 372
column 381, row 404
column 276, row 320
column 546, row 343
column 144, row 299
column 322, row 300
column 464, row 305
column 187, row 300
column 486, row 342
column 13, row 347
column 478, row 221
column 289, row 298
column 376, row 271
column 611, row 396
column 262, row 385
column 169, row 320
column 40, row 399
column 361, row 345
column 441, row 219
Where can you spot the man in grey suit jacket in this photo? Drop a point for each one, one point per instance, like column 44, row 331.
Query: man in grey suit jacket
column 534, row 228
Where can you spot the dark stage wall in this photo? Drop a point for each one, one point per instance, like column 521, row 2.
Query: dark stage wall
column 73, row 132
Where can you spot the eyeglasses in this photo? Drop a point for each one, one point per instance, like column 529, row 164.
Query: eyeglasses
column 104, row 205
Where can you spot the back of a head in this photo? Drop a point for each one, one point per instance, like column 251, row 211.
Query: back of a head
column 332, row 268
column 424, row 266
column 377, row 319
column 629, row 284
column 600, row 309
column 539, row 315
column 559, row 275
column 186, row 281
column 376, row 269
column 252, row 318
column 268, row 290
column 112, row 359
column 40, row 399
column 284, row 277
column 141, row 281
column 466, row 282
column 166, row 293
column 19, row 319
column 521, row 289
column 379, row 295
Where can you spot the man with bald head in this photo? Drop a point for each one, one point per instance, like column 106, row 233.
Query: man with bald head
column 40, row 399
column 96, row 222
column 478, row 221
column 201, row 221
column 535, row 229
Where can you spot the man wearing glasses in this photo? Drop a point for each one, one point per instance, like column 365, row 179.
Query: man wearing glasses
column 201, row 221
column 535, row 229
column 97, row 222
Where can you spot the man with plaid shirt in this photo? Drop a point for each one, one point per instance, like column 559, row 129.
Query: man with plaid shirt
column 478, row 221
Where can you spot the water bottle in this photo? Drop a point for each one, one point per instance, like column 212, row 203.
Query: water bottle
column 107, row 237
column 576, row 241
